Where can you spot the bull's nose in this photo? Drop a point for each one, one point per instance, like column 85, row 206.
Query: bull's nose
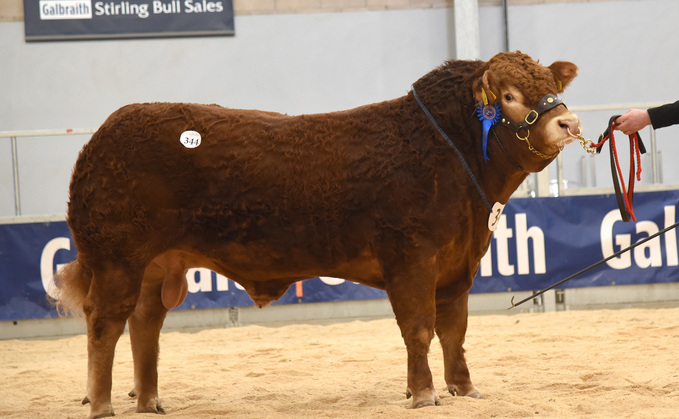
column 571, row 124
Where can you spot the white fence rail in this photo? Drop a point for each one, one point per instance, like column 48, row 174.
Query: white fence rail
column 593, row 108
column 13, row 135
column 541, row 191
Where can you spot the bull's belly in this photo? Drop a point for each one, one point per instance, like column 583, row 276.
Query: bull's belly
column 264, row 274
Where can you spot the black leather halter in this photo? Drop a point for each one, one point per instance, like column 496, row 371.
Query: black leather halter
column 546, row 104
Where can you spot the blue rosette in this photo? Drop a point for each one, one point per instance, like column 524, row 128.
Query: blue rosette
column 489, row 115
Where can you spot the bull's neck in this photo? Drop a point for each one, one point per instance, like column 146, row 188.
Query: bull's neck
column 500, row 182
column 502, row 174
column 495, row 180
column 509, row 165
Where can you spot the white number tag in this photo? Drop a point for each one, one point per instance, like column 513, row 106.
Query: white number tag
column 190, row 139
column 494, row 217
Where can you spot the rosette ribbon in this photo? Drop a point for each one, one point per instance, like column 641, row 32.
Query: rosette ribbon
column 489, row 115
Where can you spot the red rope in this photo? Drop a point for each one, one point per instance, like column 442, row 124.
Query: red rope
column 634, row 152
column 622, row 181
column 636, row 143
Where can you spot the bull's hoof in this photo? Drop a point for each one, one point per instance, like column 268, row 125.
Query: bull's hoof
column 133, row 392
column 156, row 409
column 151, row 406
column 474, row 393
column 423, row 403
column 103, row 415
column 427, row 403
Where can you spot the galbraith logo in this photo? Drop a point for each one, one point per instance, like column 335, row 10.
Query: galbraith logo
column 65, row 9
column 82, row 9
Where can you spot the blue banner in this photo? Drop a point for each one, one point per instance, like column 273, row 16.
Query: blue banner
column 537, row 242
column 541, row 241
column 49, row 20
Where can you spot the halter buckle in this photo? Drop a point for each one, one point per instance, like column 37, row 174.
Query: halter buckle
column 535, row 116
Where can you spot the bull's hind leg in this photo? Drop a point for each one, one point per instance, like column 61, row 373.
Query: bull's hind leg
column 111, row 299
column 451, row 327
column 412, row 298
column 145, row 325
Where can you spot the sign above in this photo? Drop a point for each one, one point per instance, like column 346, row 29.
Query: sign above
column 54, row 20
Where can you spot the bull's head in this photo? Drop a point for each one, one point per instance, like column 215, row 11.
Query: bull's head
column 526, row 94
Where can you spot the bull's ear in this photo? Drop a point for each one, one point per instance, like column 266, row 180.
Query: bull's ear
column 564, row 72
column 486, row 89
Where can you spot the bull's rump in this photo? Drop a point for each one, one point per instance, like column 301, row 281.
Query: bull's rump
column 306, row 193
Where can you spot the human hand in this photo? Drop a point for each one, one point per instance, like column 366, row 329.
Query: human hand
column 633, row 121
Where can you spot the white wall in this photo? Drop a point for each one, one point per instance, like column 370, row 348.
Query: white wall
column 294, row 64
column 627, row 51
column 288, row 63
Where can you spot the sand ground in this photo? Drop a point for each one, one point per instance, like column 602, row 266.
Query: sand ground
column 604, row 363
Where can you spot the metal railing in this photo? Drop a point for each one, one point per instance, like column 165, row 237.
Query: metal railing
column 653, row 142
column 524, row 191
column 13, row 135
column 544, row 183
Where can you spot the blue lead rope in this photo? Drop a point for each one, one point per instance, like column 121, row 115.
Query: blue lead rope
column 459, row 155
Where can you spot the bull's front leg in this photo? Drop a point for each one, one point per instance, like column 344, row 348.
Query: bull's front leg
column 451, row 327
column 412, row 298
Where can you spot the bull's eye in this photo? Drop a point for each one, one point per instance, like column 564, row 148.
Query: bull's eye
column 509, row 97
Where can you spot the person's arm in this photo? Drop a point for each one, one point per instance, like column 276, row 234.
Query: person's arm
column 637, row 119
column 665, row 115
column 633, row 121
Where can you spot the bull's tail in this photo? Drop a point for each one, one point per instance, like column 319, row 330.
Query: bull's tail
column 73, row 283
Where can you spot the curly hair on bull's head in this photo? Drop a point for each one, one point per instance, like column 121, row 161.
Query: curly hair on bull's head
column 519, row 70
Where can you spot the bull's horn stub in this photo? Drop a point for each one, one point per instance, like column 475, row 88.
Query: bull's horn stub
column 494, row 217
column 190, row 139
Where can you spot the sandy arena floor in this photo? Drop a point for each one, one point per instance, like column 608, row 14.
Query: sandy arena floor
column 604, row 364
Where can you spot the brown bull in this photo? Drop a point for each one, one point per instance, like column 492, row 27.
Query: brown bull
column 376, row 195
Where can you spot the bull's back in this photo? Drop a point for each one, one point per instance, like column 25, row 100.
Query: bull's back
column 255, row 177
